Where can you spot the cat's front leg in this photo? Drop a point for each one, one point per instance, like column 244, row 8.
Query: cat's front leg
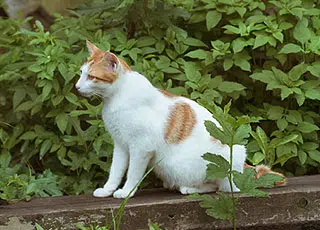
column 118, row 167
column 137, row 166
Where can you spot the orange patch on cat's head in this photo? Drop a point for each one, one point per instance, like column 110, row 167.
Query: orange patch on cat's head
column 104, row 65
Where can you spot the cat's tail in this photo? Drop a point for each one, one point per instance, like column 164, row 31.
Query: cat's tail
column 263, row 169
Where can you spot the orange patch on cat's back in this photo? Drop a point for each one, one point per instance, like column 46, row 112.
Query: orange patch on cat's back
column 167, row 94
column 180, row 123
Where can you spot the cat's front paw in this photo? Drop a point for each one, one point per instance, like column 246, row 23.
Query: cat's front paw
column 102, row 192
column 122, row 193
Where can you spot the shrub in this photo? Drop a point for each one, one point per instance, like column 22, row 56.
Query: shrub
column 264, row 55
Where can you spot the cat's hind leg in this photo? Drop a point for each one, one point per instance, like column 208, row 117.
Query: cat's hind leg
column 203, row 188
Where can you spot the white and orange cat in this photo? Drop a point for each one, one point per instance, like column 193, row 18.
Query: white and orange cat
column 152, row 127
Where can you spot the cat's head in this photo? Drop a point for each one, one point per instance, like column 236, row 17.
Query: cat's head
column 100, row 73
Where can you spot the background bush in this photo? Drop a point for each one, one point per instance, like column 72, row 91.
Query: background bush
column 264, row 55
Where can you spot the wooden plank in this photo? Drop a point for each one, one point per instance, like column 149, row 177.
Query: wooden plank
column 174, row 210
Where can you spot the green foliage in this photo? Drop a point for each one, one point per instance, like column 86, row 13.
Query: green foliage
column 264, row 55
column 233, row 130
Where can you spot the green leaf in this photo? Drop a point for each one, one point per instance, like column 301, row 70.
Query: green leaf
column 216, row 132
column 30, row 135
column 258, row 157
column 266, row 76
column 199, row 53
column 301, row 31
column 307, row 127
column 314, row 155
column 294, row 117
column 314, row 69
column 38, row 227
column 297, row 71
column 145, row 41
column 310, row 146
column 62, row 122
column 283, row 141
column 313, row 94
column 282, row 124
column 221, row 208
column 212, row 19
column 243, row 64
column 192, row 73
column 18, row 97
column 218, row 166
column 238, row 45
column 290, row 48
column 25, row 106
column 227, row 63
column 260, row 40
column 302, row 156
column 5, row 158
column 248, row 185
column 46, row 145
column 275, row 112
column 229, row 87
column 194, row 42
column 46, row 90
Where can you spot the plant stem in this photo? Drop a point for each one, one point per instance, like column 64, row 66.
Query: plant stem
column 234, row 223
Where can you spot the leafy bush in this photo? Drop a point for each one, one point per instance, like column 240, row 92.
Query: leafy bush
column 264, row 55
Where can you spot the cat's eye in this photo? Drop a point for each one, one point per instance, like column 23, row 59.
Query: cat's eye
column 80, row 71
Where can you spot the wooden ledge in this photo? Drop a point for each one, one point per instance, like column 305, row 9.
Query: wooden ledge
column 295, row 206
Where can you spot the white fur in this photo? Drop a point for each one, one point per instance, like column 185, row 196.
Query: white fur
column 135, row 114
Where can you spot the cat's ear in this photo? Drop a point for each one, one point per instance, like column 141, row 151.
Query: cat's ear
column 92, row 48
column 111, row 62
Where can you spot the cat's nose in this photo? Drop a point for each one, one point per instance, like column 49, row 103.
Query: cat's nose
column 77, row 87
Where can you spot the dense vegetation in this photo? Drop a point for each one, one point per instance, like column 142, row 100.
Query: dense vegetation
column 264, row 55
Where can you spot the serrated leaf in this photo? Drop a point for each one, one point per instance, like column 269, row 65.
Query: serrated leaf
column 241, row 134
column 212, row 19
column 221, row 208
column 216, row 132
column 290, row 48
column 218, row 166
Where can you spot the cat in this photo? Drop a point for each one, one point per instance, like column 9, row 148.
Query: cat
column 152, row 127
